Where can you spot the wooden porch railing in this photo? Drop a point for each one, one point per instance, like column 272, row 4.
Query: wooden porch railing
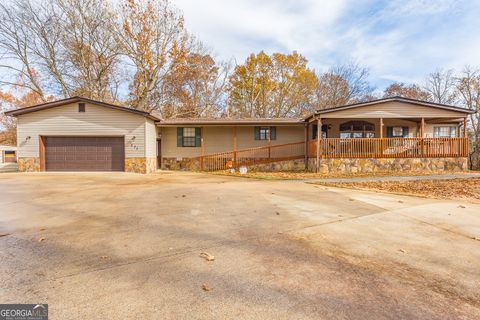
column 338, row 148
column 389, row 148
column 252, row 156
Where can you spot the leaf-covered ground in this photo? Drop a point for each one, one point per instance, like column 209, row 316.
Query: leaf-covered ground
column 468, row 189
column 286, row 175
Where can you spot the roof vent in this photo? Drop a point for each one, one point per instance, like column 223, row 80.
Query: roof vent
column 81, row 107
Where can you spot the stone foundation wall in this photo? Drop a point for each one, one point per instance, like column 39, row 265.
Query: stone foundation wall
column 28, row 164
column 186, row 164
column 389, row 165
column 140, row 165
column 287, row 165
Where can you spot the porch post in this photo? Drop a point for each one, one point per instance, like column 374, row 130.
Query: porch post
column 465, row 137
column 319, row 144
column 305, row 130
column 422, row 136
column 235, row 146
column 381, row 137
column 202, row 147
column 269, row 129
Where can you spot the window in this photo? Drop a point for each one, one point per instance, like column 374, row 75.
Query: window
column 261, row 133
column 397, row 132
column 264, row 133
column 81, row 107
column 357, row 129
column 324, row 131
column 445, row 132
column 189, row 137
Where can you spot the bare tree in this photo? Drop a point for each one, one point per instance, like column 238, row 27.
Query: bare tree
column 468, row 87
column 343, row 84
column 412, row 91
column 152, row 35
column 18, row 59
column 441, row 86
column 60, row 46
column 90, row 48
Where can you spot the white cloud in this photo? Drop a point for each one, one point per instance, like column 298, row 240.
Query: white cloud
column 399, row 40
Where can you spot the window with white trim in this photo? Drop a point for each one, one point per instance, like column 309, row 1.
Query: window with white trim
column 445, row 132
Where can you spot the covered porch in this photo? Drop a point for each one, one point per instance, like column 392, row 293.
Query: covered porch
column 387, row 138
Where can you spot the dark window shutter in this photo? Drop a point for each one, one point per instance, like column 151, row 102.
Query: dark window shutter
column 389, row 132
column 314, row 131
column 273, row 133
column 198, row 137
column 405, row 132
column 257, row 133
column 179, row 137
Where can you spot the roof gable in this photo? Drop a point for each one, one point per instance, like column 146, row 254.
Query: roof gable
column 406, row 101
column 59, row 103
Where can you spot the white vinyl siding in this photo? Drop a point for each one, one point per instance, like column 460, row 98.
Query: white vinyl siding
column 393, row 110
column 67, row 121
column 150, row 138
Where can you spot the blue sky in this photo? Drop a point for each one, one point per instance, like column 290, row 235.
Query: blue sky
column 397, row 40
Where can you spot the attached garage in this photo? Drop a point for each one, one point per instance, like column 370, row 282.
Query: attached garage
column 84, row 153
column 79, row 134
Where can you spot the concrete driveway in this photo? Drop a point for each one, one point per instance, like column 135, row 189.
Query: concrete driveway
column 126, row 246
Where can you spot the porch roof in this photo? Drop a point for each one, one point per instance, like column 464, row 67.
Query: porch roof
column 410, row 108
column 229, row 121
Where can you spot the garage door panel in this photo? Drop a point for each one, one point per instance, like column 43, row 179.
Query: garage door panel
column 84, row 153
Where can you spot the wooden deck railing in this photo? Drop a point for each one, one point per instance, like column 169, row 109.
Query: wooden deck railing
column 389, row 148
column 338, row 148
column 252, row 156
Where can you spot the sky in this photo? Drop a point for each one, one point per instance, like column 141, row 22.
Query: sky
column 399, row 41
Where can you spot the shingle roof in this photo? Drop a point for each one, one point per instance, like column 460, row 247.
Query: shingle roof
column 62, row 102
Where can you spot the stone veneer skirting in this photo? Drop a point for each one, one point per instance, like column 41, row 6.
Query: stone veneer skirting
column 185, row 164
column 28, row 164
column 140, row 165
column 136, row 165
column 386, row 165
column 342, row 166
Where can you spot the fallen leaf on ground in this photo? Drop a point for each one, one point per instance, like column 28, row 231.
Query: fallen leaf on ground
column 205, row 287
column 400, row 201
column 463, row 207
column 476, row 238
column 403, row 251
column 351, row 200
column 183, row 196
column 458, row 188
column 278, row 213
column 104, row 257
column 42, row 239
column 207, row 256
column 4, row 234
column 43, row 229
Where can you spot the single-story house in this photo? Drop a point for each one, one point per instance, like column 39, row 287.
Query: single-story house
column 80, row 134
column 8, row 153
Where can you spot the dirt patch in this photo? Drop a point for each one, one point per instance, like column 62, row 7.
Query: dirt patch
column 464, row 189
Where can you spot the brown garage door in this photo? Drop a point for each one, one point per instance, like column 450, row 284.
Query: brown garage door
column 84, row 153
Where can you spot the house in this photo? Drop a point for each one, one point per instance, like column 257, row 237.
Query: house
column 79, row 134
column 8, row 154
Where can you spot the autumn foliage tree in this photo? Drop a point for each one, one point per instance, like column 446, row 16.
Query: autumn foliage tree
column 10, row 101
column 280, row 85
